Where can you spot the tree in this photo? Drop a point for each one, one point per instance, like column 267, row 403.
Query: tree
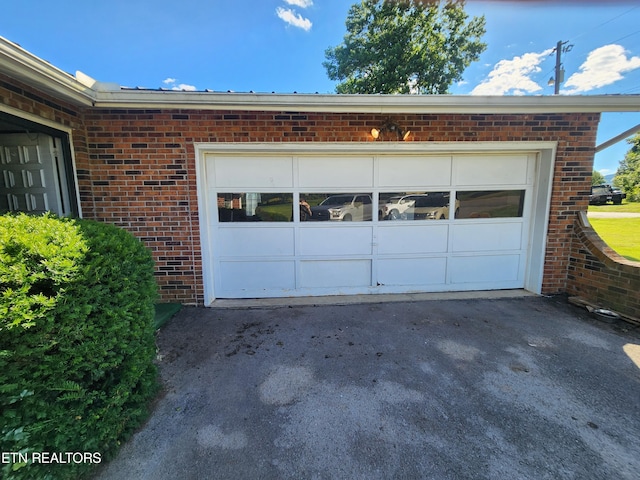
column 628, row 175
column 597, row 178
column 409, row 46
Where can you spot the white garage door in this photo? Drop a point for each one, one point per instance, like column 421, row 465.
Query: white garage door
column 377, row 223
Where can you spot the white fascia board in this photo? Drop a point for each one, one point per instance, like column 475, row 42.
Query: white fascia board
column 31, row 70
column 377, row 104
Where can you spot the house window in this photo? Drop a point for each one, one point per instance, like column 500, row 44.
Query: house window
column 490, row 204
column 255, row 207
column 345, row 207
column 414, row 206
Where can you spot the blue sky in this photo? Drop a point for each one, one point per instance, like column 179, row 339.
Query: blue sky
column 278, row 46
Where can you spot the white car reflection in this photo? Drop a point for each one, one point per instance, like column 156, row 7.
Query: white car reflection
column 346, row 208
column 396, row 206
column 427, row 206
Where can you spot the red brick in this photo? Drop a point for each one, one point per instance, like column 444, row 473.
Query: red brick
column 153, row 201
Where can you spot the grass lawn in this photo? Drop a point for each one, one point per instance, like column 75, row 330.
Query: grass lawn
column 280, row 212
column 621, row 234
column 629, row 207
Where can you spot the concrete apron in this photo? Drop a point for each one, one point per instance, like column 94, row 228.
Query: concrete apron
column 522, row 388
column 358, row 299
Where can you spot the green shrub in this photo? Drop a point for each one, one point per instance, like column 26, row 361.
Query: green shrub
column 76, row 341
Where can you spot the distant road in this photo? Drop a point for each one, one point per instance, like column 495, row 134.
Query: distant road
column 612, row 215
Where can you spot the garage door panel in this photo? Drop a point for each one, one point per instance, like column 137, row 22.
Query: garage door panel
column 413, row 239
column 335, row 172
column 252, row 276
column 490, row 170
column 244, row 242
column 249, row 172
column 483, row 248
column 336, row 240
column 485, row 269
column 421, row 172
column 483, row 237
column 335, row 273
column 412, row 271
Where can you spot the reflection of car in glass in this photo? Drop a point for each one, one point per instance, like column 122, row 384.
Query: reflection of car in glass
column 396, row 206
column 345, row 207
column 418, row 207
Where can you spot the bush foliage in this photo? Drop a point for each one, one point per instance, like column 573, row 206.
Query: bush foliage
column 76, row 340
column 628, row 175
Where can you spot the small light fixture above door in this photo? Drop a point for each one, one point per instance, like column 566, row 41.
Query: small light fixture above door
column 390, row 127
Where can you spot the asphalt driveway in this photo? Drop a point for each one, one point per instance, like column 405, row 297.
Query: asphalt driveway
column 519, row 388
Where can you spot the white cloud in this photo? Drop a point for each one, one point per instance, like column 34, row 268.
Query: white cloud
column 171, row 83
column 185, row 87
column 300, row 3
column 513, row 76
column 603, row 66
column 296, row 20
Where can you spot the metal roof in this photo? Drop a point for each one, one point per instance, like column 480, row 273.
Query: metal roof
column 83, row 90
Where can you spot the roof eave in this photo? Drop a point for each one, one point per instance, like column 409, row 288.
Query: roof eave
column 33, row 71
column 377, row 104
column 84, row 91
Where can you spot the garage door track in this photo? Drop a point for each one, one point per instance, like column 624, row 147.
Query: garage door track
column 519, row 388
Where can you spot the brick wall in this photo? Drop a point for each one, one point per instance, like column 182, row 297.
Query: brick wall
column 136, row 168
column 144, row 170
column 601, row 276
column 144, row 180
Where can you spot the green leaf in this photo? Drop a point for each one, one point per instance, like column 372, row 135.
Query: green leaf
column 405, row 47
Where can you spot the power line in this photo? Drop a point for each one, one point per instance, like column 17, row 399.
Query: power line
column 604, row 23
column 632, row 89
column 591, row 30
column 626, row 36
column 559, row 71
column 581, row 52
column 565, row 47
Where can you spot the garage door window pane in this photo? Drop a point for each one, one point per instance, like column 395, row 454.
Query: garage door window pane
column 414, row 206
column 490, row 204
column 255, row 207
column 346, row 207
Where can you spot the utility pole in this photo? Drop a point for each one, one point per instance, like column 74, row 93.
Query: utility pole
column 561, row 47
